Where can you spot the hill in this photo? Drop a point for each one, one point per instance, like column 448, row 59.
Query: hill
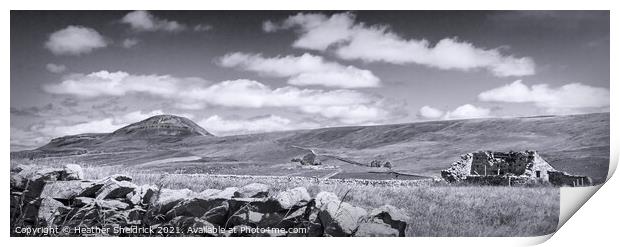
column 578, row 144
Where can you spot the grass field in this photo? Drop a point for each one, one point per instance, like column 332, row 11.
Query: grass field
column 436, row 209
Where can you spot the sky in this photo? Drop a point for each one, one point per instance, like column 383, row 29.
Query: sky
column 240, row 72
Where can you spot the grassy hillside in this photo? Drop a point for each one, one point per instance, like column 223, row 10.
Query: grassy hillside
column 578, row 144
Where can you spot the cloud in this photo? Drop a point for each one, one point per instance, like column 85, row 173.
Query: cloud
column 55, row 68
column 221, row 126
column 430, row 112
column 141, row 20
column 75, row 40
column 128, row 43
column 202, row 27
column 358, row 41
column 466, row 111
column 270, row 27
column 55, row 128
column 303, row 70
column 347, row 106
column 568, row 98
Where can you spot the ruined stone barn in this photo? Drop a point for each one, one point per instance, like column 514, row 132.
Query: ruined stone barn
column 507, row 168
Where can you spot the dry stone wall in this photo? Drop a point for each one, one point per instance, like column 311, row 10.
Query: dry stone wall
column 114, row 206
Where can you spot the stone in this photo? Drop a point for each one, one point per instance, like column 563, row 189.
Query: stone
column 217, row 215
column 284, row 219
column 49, row 209
column 254, row 190
column 375, row 229
column 261, row 205
column 194, row 207
column 111, row 204
column 142, row 195
column 88, row 215
column 166, row 199
column 308, row 159
column 135, row 216
column 338, row 218
column 323, row 198
column 73, row 172
column 292, row 197
column 83, row 201
column 105, row 204
column 230, row 192
column 505, row 168
column 459, row 170
column 392, row 216
column 207, row 193
column 244, row 217
column 115, row 189
column 93, row 189
column 64, row 190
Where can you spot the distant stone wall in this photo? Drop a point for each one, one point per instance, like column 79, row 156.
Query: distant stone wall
column 114, row 206
column 501, row 180
column 558, row 178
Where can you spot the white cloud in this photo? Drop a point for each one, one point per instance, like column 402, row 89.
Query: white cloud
column 105, row 125
column 430, row 112
column 55, row 68
column 466, row 111
column 303, row 70
column 573, row 97
column 202, row 27
column 113, row 84
column 128, row 43
column 141, row 20
column 347, row 106
column 350, row 114
column 269, row 27
column 75, row 40
column 221, row 126
column 379, row 44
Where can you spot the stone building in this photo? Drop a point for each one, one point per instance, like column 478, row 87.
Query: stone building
column 507, row 168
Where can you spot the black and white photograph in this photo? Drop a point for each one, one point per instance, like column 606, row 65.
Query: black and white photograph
column 304, row 123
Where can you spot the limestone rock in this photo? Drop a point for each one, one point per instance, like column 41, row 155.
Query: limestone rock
column 292, row 197
column 49, row 209
column 142, row 195
column 194, row 207
column 64, row 190
column 244, row 217
column 207, row 193
column 217, row 215
column 115, row 189
column 73, row 172
column 308, row 159
column 93, row 189
column 254, row 190
column 459, row 170
column 166, row 199
column 338, row 218
column 111, row 204
column 230, row 192
column 375, row 229
column 391, row 216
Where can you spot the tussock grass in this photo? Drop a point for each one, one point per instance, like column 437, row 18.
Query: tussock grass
column 435, row 209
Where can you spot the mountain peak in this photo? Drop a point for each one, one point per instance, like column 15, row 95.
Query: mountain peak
column 163, row 125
